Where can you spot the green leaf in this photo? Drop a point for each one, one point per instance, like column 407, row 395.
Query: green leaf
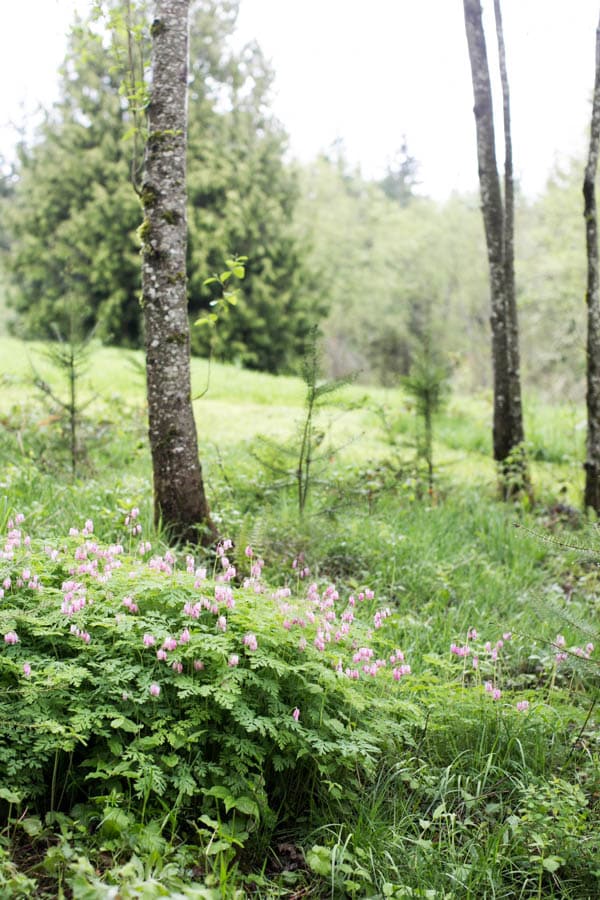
column 552, row 863
column 10, row 796
column 125, row 725
column 208, row 321
column 221, row 792
column 32, row 826
column 318, row 859
column 217, row 847
column 239, row 271
column 245, row 805
column 170, row 760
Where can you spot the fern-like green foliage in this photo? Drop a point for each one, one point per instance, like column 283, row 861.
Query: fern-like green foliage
column 128, row 676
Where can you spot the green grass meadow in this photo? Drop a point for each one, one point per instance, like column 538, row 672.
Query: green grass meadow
column 437, row 738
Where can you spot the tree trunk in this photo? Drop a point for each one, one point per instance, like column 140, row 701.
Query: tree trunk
column 179, row 499
column 498, row 219
column 592, row 463
column 512, row 332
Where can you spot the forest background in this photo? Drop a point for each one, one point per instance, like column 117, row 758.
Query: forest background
column 375, row 262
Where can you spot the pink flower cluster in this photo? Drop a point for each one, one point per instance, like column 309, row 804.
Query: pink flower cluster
column 584, row 653
column 320, row 610
column 495, row 692
column 14, row 538
column 301, row 570
column 131, row 523
column 399, row 671
column 380, row 616
column 80, row 633
column 74, row 597
column 250, row 641
column 131, row 606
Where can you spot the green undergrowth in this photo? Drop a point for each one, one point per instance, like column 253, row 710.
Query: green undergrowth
column 303, row 737
column 154, row 712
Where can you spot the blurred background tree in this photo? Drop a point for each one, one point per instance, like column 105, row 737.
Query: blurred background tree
column 364, row 258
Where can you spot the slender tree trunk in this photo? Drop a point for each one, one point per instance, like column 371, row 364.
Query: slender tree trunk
column 592, row 463
column 512, row 333
column 179, row 498
column 498, row 219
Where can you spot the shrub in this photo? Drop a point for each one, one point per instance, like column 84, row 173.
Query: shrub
column 133, row 682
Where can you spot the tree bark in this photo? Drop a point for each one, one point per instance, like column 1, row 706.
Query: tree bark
column 512, row 333
column 592, row 463
column 179, row 499
column 498, row 219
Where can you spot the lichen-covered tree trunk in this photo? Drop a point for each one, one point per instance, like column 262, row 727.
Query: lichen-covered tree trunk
column 179, row 498
column 508, row 433
column 592, row 463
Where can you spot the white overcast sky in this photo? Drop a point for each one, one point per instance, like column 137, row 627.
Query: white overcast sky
column 369, row 72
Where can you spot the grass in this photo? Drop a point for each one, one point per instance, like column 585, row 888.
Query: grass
column 468, row 796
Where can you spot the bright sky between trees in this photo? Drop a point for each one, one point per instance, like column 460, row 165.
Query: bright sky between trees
column 369, row 74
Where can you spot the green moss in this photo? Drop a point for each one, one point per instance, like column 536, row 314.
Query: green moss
column 171, row 216
column 180, row 338
column 157, row 27
column 148, row 196
column 144, row 231
column 157, row 137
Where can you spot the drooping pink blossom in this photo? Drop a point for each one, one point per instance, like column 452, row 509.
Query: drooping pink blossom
column 400, row 671
column 250, row 641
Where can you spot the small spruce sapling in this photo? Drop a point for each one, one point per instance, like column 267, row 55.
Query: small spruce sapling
column 428, row 383
column 304, row 454
column 69, row 356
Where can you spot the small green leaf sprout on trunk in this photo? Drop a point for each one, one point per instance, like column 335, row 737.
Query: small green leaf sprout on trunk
column 427, row 383
column 221, row 306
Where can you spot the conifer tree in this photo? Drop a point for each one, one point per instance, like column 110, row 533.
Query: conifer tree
column 72, row 225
